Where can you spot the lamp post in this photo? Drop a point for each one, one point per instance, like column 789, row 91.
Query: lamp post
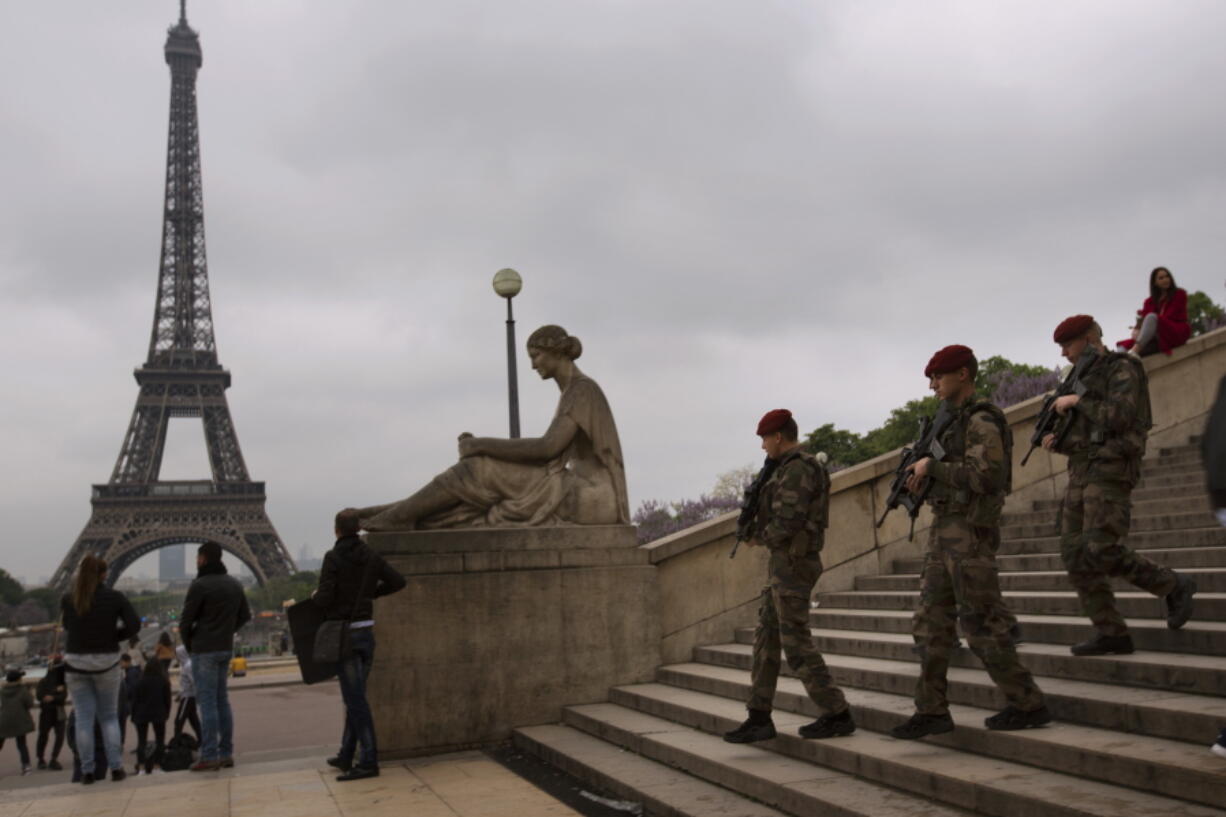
column 507, row 283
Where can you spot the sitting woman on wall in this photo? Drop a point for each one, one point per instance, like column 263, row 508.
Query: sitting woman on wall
column 1162, row 322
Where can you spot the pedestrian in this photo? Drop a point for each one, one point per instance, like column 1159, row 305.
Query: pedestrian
column 792, row 514
column 185, row 711
column 52, row 695
column 128, row 676
column 352, row 575
column 214, row 609
column 966, row 489
column 1109, row 424
column 96, row 619
column 150, row 709
column 15, row 721
column 1213, row 454
column 1162, row 321
column 164, row 651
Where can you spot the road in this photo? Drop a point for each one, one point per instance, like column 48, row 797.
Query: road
column 266, row 719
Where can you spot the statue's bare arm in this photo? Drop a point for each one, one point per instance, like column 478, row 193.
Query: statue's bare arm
column 530, row 449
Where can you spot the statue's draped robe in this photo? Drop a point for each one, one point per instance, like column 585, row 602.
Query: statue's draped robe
column 498, row 493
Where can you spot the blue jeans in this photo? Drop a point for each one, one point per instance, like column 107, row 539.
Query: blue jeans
column 96, row 697
column 359, row 722
column 209, row 671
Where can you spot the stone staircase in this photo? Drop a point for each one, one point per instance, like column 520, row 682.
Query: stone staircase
column 1130, row 739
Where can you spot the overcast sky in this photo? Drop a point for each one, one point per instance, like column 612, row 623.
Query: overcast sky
column 735, row 205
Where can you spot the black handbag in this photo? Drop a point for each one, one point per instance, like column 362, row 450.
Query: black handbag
column 332, row 637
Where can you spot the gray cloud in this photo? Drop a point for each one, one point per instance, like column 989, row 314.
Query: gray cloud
column 736, row 206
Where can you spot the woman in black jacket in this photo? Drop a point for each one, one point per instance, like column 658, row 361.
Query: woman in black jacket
column 151, row 707
column 96, row 620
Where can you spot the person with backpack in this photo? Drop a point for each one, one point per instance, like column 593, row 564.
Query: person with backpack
column 790, row 522
column 351, row 578
column 96, row 619
column 1110, row 421
column 150, row 709
column 52, row 695
column 966, row 487
column 15, row 720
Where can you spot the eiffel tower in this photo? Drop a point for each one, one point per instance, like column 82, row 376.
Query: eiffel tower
column 135, row 512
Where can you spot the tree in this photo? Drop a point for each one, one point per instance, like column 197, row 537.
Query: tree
column 731, row 484
column 844, row 448
column 1203, row 314
column 11, row 591
column 48, row 598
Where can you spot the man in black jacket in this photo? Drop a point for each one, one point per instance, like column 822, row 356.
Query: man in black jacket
column 215, row 608
column 351, row 576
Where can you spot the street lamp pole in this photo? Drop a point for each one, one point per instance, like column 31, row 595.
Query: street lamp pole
column 507, row 283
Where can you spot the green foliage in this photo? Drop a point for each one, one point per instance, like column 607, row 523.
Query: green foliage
column 1203, row 313
column 164, row 607
column 48, row 599
column 846, row 448
column 297, row 587
column 11, row 591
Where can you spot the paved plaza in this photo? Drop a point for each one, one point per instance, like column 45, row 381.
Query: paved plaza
column 466, row 784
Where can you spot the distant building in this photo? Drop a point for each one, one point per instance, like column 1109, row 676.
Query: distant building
column 172, row 564
column 306, row 561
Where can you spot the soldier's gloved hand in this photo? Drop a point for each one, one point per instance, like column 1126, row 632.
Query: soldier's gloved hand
column 753, row 543
column 1065, row 403
column 919, row 472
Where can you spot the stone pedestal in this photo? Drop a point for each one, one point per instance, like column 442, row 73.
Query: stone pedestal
column 500, row 628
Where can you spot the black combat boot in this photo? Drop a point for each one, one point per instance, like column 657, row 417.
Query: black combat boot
column 1104, row 645
column 1015, row 633
column 921, row 726
column 758, row 726
column 1179, row 602
column 830, row 726
column 1011, row 718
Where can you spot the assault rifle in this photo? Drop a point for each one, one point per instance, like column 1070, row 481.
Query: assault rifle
column 749, row 505
column 1051, row 422
column 928, row 445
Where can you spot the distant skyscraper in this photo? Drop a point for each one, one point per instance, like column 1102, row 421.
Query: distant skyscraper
column 172, row 563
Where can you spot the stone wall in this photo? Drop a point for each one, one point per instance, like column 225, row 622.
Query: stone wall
column 503, row 628
column 704, row 596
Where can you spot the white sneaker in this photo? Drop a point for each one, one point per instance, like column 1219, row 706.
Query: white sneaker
column 1218, row 749
column 26, row 770
column 140, row 773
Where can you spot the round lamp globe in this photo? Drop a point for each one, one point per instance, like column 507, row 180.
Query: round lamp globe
column 507, row 282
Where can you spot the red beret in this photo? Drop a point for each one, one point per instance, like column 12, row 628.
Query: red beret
column 773, row 421
column 950, row 359
column 1072, row 328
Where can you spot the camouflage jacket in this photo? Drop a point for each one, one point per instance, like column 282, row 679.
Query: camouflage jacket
column 1112, row 419
column 977, row 470
column 794, row 505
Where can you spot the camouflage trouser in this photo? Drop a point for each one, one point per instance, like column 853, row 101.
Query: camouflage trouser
column 783, row 623
column 959, row 584
column 1094, row 517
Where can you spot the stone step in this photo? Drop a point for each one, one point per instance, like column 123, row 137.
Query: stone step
column 1183, row 672
column 1168, row 767
column 1190, row 537
column 984, row 785
column 1177, row 558
column 1198, row 637
column 1190, row 447
column 662, row 790
column 1158, row 713
column 1173, row 466
column 1131, row 604
column 1171, row 522
column 1208, row 580
column 1175, row 456
column 1152, row 507
column 1177, row 488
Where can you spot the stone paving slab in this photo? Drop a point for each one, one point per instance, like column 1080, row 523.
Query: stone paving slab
column 465, row 784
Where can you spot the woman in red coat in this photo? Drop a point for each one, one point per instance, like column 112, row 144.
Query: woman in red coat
column 1162, row 323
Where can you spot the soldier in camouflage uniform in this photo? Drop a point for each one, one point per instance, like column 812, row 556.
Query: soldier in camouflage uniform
column 1105, row 444
column 959, row 581
column 791, row 524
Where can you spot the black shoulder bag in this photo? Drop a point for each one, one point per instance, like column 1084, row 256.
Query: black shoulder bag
column 332, row 637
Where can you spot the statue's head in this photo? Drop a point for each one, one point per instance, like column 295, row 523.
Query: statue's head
column 554, row 339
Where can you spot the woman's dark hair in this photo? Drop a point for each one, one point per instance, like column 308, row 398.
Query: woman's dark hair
column 1155, row 293
column 154, row 668
column 90, row 574
column 165, row 639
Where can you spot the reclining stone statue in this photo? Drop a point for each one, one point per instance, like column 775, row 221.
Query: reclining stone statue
column 573, row 475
